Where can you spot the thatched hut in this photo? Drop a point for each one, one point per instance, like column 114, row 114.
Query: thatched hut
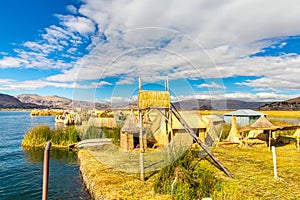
column 262, row 129
column 103, row 122
column 233, row 136
column 207, row 128
column 195, row 122
column 130, row 132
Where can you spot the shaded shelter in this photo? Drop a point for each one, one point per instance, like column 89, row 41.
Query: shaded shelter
column 261, row 129
column 129, row 136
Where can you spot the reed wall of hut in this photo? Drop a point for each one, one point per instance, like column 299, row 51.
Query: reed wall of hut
column 102, row 122
column 126, row 141
column 148, row 98
column 130, row 132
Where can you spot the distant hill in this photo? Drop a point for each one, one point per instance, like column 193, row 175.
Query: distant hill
column 290, row 104
column 7, row 101
column 57, row 102
column 36, row 101
column 200, row 104
column 46, row 101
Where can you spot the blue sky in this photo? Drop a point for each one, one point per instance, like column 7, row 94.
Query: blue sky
column 96, row 49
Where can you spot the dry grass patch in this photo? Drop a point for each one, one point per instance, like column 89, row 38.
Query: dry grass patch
column 107, row 183
column 290, row 114
column 252, row 169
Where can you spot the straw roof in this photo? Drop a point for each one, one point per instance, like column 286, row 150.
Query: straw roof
column 131, row 124
column 193, row 119
column 263, row 123
column 149, row 98
column 103, row 122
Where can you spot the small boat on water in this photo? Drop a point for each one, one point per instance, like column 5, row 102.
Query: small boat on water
column 60, row 118
column 68, row 119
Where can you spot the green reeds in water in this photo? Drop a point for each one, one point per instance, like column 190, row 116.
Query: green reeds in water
column 39, row 135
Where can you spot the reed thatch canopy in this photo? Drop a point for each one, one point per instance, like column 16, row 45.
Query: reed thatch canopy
column 261, row 124
column 131, row 125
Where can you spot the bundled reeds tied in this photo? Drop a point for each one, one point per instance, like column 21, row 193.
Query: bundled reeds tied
column 148, row 98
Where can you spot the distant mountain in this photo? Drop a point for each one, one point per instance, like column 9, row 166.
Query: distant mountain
column 36, row 101
column 46, row 101
column 290, row 104
column 229, row 104
column 56, row 102
column 193, row 104
column 7, row 101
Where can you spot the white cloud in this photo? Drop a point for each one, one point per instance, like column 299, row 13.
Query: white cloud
column 82, row 25
column 10, row 84
column 229, row 32
column 72, row 9
column 8, row 62
column 210, row 85
column 243, row 96
column 115, row 100
column 155, row 39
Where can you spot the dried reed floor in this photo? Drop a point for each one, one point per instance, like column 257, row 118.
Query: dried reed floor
column 252, row 169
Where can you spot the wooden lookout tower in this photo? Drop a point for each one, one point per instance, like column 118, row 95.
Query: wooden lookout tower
column 160, row 101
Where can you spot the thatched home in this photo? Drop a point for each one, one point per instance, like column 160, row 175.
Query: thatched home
column 195, row 122
column 262, row 129
column 130, row 133
column 103, row 122
column 207, row 128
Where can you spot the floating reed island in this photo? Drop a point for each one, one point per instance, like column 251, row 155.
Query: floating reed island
column 46, row 112
column 39, row 135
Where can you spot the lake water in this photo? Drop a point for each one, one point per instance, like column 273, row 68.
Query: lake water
column 21, row 171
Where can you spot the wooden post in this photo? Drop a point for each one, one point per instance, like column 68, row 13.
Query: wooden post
column 274, row 162
column 270, row 138
column 298, row 138
column 171, row 124
column 46, row 171
column 168, row 87
column 141, row 146
column 140, row 83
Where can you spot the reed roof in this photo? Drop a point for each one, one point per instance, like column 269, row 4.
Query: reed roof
column 131, row 124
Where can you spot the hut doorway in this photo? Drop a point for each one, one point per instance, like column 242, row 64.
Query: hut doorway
column 136, row 142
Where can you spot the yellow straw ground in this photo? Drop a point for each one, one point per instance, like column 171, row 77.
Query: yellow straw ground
column 106, row 183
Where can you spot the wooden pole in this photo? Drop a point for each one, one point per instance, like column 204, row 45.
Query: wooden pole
column 140, row 83
column 270, row 138
column 141, row 146
column 298, row 138
column 46, row 171
column 196, row 138
column 274, row 162
column 171, row 124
